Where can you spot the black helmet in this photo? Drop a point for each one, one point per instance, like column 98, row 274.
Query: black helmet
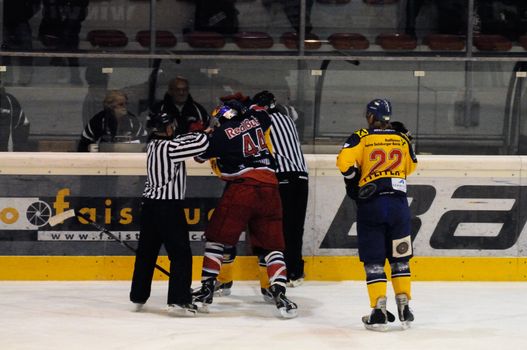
column 157, row 122
column 265, row 99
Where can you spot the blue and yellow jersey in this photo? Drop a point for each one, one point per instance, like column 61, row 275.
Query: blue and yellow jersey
column 379, row 156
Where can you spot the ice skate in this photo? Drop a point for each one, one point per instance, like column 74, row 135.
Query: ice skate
column 405, row 313
column 222, row 289
column 203, row 297
column 267, row 296
column 295, row 283
column 286, row 308
column 138, row 307
column 182, row 310
column 379, row 317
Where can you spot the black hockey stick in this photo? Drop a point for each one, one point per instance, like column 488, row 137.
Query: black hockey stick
column 57, row 219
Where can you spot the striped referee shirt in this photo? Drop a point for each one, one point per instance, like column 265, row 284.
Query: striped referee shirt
column 165, row 164
column 286, row 144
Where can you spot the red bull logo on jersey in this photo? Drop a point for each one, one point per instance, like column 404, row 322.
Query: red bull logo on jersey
column 245, row 125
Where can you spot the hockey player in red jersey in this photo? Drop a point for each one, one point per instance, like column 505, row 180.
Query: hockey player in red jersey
column 239, row 153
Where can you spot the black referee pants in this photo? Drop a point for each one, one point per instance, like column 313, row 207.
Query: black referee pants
column 163, row 222
column 294, row 194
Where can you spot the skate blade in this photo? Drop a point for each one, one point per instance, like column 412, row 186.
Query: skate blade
column 180, row 312
column 138, row 307
column 202, row 308
column 406, row 324
column 222, row 292
column 295, row 283
column 284, row 313
column 268, row 299
column 377, row 327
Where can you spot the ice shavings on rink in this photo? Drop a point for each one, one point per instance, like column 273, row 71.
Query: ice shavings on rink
column 97, row 315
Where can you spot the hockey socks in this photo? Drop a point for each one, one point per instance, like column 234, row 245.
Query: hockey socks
column 376, row 282
column 401, row 280
column 276, row 270
column 212, row 261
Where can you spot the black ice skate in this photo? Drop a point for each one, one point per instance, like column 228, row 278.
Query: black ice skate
column 222, row 289
column 267, row 296
column 203, row 297
column 182, row 310
column 405, row 313
column 379, row 317
column 286, row 308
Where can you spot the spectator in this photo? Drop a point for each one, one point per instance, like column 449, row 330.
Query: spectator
column 17, row 34
column 60, row 28
column 451, row 16
column 292, row 11
column 503, row 17
column 113, row 124
column 97, row 89
column 218, row 16
column 181, row 107
column 14, row 126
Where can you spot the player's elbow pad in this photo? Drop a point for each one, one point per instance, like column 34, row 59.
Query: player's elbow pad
column 350, row 173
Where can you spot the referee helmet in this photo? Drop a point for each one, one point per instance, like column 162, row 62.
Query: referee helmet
column 157, row 122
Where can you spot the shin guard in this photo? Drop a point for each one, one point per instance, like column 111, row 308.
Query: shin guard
column 276, row 270
column 376, row 281
column 262, row 273
column 401, row 278
column 226, row 271
column 212, row 260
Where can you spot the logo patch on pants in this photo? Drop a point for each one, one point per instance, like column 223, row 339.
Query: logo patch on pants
column 402, row 247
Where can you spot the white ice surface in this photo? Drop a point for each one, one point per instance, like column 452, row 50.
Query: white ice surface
column 97, row 315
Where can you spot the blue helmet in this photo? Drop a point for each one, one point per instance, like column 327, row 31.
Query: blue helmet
column 381, row 109
column 224, row 111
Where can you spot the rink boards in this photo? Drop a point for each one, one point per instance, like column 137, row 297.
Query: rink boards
column 469, row 217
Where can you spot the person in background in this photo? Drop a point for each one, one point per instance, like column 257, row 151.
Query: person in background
column 14, row 125
column 291, row 9
column 375, row 163
column 181, row 107
column 97, row 89
column 220, row 16
column 113, row 124
column 60, row 29
column 18, row 36
column 163, row 220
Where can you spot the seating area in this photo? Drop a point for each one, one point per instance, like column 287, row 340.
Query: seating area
column 342, row 25
column 258, row 40
column 107, row 38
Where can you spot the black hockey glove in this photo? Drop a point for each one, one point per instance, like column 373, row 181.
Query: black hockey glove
column 352, row 187
column 400, row 127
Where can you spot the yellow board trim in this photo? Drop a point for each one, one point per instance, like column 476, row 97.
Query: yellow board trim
column 317, row 268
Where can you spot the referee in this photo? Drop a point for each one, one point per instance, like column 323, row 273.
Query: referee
column 162, row 217
column 292, row 174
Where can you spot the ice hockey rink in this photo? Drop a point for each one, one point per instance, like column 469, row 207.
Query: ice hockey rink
column 97, row 315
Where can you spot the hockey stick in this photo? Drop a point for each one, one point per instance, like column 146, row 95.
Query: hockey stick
column 54, row 220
